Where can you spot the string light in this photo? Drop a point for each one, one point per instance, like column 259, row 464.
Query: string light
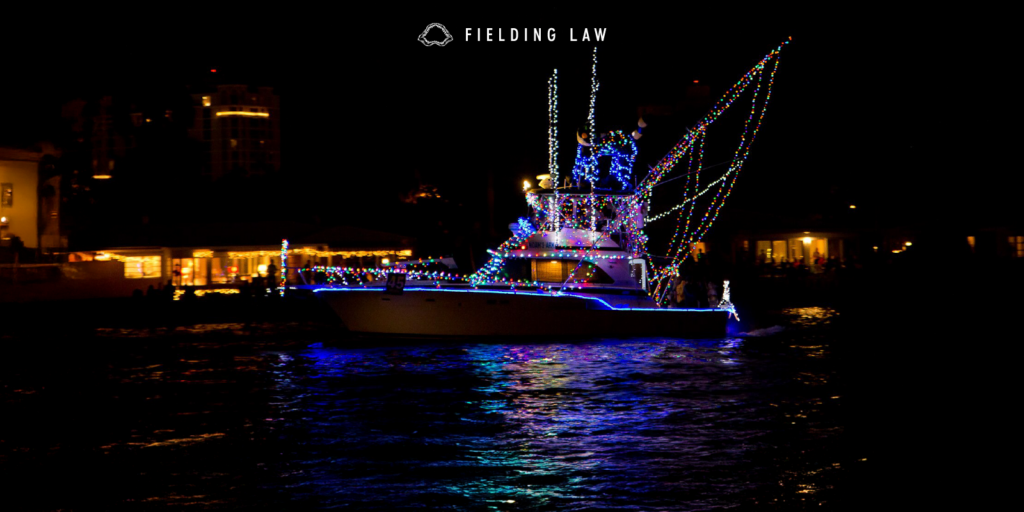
column 726, row 302
column 284, row 265
column 585, row 166
column 591, row 123
column 553, row 127
column 629, row 211
column 553, row 202
column 726, row 181
column 622, row 150
column 688, row 200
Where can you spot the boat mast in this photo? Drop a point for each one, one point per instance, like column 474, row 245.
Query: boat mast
column 554, row 204
column 590, row 128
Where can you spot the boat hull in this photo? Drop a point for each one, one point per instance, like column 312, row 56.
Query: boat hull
column 428, row 312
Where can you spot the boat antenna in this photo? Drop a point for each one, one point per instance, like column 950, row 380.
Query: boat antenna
column 553, row 151
column 553, row 126
column 593, row 94
column 591, row 123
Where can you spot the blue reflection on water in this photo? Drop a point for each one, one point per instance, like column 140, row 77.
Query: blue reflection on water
column 149, row 421
column 608, row 423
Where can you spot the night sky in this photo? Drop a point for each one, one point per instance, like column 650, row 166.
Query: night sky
column 902, row 117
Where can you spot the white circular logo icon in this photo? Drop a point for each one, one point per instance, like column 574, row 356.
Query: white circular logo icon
column 435, row 35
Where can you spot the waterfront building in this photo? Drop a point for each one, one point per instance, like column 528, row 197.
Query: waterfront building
column 199, row 260
column 237, row 128
column 210, row 266
column 29, row 207
column 19, row 178
column 794, row 246
column 240, row 129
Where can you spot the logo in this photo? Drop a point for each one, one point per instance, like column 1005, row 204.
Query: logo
column 435, row 34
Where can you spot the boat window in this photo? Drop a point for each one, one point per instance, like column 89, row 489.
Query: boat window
column 517, row 270
column 590, row 273
column 558, row 271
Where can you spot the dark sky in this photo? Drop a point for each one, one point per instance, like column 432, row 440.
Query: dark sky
column 905, row 116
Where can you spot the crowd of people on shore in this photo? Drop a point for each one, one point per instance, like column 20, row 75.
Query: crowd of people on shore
column 259, row 286
column 818, row 264
column 698, row 284
column 699, row 281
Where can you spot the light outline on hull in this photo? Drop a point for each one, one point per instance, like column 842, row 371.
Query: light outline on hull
column 540, row 294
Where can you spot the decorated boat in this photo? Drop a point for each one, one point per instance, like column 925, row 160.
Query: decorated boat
column 578, row 264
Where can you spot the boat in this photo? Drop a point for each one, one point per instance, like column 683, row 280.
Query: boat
column 548, row 286
column 578, row 264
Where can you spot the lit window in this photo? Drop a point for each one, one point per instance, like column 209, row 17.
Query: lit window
column 137, row 267
column 206, row 101
column 234, row 143
column 7, row 197
column 1017, row 246
column 548, row 272
column 970, row 242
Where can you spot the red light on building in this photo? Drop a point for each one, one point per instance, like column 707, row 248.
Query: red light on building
column 696, row 81
column 232, row 270
column 213, row 71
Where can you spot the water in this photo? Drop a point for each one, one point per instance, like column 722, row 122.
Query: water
column 285, row 420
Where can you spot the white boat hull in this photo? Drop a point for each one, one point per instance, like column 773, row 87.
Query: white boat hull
column 440, row 312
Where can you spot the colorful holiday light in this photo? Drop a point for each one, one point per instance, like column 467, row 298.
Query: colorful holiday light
column 726, row 302
column 284, row 265
column 591, row 123
column 578, row 212
column 727, row 181
column 553, row 127
column 585, row 166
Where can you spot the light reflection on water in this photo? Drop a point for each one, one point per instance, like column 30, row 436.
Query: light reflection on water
column 607, row 423
column 654, row 424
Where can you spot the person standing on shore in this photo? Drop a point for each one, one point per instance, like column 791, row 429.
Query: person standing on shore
column 272, row 275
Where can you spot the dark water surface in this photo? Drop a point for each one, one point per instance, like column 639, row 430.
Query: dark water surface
column 206, row 419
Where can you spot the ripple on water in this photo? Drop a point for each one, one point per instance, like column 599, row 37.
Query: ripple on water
column 657, row 424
